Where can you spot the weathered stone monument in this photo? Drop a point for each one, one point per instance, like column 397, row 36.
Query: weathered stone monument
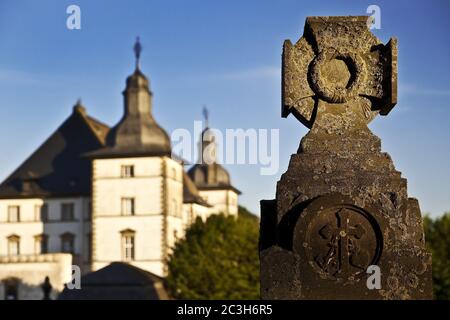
column 341, row 206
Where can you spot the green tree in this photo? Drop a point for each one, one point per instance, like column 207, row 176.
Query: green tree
column 217, row 259
column 437, row 236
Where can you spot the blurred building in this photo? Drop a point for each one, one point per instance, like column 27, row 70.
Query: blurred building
column 92, row 195
column 118, row 281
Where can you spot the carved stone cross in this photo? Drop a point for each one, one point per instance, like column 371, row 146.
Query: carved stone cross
column 338, row 74
column 342, row 237
column 341, row 206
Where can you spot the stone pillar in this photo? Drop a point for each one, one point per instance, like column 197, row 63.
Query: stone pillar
column 341, row 206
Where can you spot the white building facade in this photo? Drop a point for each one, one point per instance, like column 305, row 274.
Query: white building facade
column 92, row 195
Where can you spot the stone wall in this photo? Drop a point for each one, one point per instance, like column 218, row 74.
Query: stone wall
column 31, row 270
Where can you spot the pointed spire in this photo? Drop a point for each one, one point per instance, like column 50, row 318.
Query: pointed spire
column 207, row 143
column 137, row 51
column 205, row 116
column 78, row 107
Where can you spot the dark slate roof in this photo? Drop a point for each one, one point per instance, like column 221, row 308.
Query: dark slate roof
column 190, row 192
column 120, row 281
column 57, row 167
column 211, row 177
column 137, row 133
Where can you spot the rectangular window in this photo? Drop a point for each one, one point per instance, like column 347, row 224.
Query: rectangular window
column 67, row 212
column 128, row 247
column 127, row 171
column 13, row 213
column 41, row 212
column 127, row 206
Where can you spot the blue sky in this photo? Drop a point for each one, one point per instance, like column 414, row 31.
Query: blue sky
column 227, row 55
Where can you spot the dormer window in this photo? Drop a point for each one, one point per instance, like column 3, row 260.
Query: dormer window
column 127, row 171
column 26, row 186
column 29, row 183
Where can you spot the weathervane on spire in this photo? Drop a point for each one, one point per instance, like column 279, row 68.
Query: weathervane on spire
column 205, row 115
column 137, row 51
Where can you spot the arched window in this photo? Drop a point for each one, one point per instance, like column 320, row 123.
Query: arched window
column 41, row 244
column 128, row 248
column 11, row 288
column 13, row 245
column 68, row 243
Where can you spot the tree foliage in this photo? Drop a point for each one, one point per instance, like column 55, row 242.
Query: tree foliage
column 437, row 236
column 218, row 259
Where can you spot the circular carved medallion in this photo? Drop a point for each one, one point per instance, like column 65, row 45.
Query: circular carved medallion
column 340, row 241
column 337, row 76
